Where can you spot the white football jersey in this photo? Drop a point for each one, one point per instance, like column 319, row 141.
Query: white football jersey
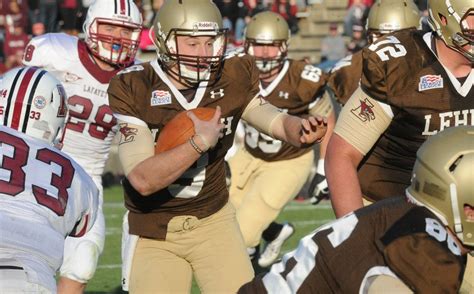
column 44, row 197
column 90, row 126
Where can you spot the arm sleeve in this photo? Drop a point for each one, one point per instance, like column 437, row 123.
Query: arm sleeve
column 262, row 115
column 381, row 283
column 135, row 145
column 362, row 120
column 322, row 106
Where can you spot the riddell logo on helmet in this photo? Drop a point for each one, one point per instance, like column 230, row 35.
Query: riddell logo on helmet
column 389, row 26
column 206, row 25
column 264, row 36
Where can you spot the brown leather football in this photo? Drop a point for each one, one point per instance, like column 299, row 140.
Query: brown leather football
column 180, row 128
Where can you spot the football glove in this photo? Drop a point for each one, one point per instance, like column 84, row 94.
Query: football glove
column 318, row 189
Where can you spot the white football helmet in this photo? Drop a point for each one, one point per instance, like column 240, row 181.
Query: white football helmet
column 34, row 102
column 122, row 13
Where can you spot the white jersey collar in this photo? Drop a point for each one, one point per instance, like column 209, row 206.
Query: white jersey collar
column 268, row 90
column 463, row 89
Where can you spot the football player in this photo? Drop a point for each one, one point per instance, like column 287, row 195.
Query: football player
column 178, row 199
column 268, row 173
column 112, row 29
column 414, row 84
column 385, row 16
column 395, row 245
column 44, row 194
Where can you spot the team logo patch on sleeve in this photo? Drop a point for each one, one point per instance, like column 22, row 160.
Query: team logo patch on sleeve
column 430, row 82
column 364, row 112
column 160, row 97
column 128, row 133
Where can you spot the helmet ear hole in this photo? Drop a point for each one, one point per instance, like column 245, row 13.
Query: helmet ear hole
column 453, row 166
column 444, row 20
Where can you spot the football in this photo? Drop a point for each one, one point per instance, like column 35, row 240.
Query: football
column 180, row 128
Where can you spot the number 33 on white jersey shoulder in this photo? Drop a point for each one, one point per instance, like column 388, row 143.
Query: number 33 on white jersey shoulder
column 44, row 197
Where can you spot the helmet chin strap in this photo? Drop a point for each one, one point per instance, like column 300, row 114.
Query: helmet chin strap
column 456, row 214
column 193, row 74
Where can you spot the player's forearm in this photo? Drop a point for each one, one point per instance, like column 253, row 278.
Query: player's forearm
column 341, row 173
column 289, row 130
column 161, row 170
column 330, row 127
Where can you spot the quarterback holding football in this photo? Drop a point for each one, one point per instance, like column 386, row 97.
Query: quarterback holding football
column 178, row 199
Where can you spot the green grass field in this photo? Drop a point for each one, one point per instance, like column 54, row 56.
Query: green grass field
column 303, row 216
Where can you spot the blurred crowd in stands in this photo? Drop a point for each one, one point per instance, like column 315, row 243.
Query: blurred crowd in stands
column 21, row 20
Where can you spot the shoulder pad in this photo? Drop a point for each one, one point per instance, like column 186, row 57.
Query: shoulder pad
column 239, row 52
column 136, row 67
column 50, row 49
column 390, row 63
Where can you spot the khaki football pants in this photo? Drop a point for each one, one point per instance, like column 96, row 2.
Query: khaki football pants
column 259, row 190
column 467, row 286
column 210, row 248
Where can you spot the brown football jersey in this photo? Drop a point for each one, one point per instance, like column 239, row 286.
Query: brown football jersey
column 392, row 237
column 145, row 92
column 402, row 71
column 294, row 90
column 345, row 77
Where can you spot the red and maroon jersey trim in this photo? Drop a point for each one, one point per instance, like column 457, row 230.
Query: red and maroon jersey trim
column 82, row 229
column 99, row 74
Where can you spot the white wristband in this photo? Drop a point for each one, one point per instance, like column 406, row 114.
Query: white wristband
column 320, row 167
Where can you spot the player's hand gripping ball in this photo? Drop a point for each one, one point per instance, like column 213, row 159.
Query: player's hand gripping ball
column 180, row 128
